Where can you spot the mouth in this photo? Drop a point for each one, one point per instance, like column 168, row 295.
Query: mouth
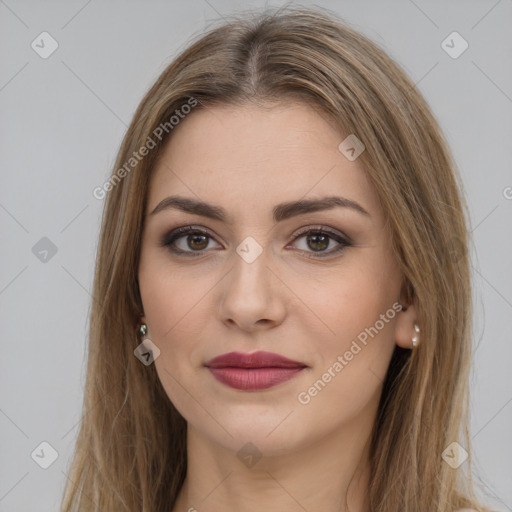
column 253, row 372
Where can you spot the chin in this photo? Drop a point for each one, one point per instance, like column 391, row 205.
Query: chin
column 260, row 432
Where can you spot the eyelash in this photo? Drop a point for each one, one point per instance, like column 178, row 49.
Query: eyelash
column 170, row 238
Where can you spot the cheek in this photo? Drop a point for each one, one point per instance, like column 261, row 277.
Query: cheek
column 174, row 300
column 175, row 315
column 346, row 301
column 351, row 365
column 355, row 320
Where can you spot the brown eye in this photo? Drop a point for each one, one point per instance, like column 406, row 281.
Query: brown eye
column 187, row 240
column 321, row 242
column 197, row 242
column 318, row 242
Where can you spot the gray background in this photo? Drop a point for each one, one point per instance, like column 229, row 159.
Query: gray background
column 62, row 120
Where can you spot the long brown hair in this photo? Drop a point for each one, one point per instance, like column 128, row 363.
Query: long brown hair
column 131, row 447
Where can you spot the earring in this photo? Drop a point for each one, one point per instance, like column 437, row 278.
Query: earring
column 415, row 338
column 143, row 330
column 146, row 351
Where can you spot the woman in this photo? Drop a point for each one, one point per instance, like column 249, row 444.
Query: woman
column 285, row 230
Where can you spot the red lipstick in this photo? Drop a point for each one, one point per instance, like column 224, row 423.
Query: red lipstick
column 252, row 372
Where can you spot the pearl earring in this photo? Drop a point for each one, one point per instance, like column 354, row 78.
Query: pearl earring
column 415, row 338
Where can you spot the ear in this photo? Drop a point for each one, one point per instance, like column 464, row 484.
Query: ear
column 404, row 326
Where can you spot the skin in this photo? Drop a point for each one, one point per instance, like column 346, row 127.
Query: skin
column 248, row 159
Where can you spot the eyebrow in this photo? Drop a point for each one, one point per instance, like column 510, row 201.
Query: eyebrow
column 280, row 212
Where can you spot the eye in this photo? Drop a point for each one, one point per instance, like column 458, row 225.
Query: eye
column 317, row 243
column 187, row 240
column 318, row 240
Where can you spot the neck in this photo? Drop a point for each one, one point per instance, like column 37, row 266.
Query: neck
column 332, row 474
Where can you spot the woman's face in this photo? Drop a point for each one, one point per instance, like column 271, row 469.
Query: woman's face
column 257, row 281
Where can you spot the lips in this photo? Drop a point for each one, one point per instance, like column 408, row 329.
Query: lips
column 252, row 372
column 254, row 360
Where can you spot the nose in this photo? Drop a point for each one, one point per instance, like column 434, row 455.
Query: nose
column 252, row 296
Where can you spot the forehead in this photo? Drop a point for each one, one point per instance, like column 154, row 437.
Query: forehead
column 249, row 157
